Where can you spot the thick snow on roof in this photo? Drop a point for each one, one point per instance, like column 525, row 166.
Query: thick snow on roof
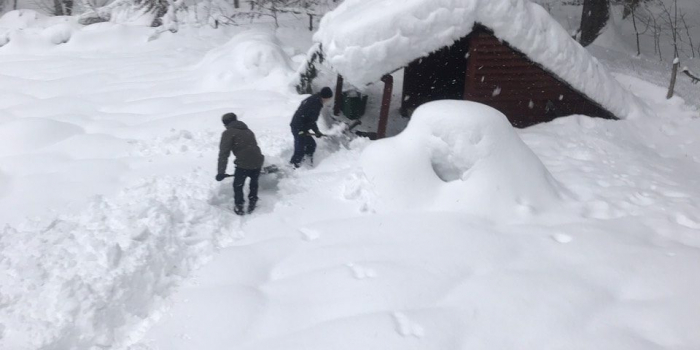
column 365, row 39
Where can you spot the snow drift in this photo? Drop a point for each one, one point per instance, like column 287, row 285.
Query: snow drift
column 250, row 59
column 463, row 156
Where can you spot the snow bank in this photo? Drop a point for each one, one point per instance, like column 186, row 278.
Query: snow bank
column 90, row 279
column 27, row 30
column 459, row 156
column 109, row 36
column 365, row 39
column 250, row 59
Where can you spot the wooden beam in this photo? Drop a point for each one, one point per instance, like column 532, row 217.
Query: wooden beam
column 386, row 103
column 338, row 96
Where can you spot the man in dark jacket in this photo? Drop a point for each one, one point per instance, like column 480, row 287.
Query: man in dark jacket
column 305, row 119
column 249, row 160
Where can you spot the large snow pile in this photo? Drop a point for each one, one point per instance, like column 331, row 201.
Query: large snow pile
column 364, row 40
column 254, row 58
column 459, row 155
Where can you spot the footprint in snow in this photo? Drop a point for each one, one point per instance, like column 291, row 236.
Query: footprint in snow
column 361, row 272
column 406, row 327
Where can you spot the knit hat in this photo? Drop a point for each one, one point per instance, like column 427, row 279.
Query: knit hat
column 326, row 92
column 229, row 117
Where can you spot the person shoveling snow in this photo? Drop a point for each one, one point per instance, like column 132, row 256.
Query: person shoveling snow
column 249, row 160
column 304, row 120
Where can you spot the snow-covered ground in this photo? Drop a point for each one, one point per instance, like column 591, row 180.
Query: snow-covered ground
column 586, row 237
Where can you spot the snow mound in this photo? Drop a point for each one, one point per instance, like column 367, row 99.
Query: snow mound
column 28, row 134
column 254, row 58
column 463, row 156
column 22, row 19
column 364, row 40
column 27, row 30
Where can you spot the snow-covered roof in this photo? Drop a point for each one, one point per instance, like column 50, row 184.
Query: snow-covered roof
column 365, row 39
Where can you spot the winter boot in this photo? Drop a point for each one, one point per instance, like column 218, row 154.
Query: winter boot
column 251, row 205
column 239, row 210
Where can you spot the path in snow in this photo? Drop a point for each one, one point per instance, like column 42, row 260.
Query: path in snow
column 140, row 127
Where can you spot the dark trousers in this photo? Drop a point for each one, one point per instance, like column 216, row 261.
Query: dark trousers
column 239, row 180
column 304, row 145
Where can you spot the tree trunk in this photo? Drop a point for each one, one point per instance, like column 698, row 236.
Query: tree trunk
column 674, row 74
column 236, row 4
column 636, row 32
column 593, row 19
column 68, row 7
column 57, row 8
column 630, row 6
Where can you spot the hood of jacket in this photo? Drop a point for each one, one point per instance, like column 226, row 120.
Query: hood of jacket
column 237, row 124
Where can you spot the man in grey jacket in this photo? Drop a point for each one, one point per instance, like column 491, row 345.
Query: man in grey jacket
column 249, row 160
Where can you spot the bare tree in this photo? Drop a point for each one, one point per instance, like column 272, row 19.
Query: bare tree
column 687, row 27
column 630, row 8
column 63, row 7
column 671, row 21
column 275, row 8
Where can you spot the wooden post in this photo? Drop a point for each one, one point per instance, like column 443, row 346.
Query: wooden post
column 674, row 74
column 311, row 22
column 338, row 95
column 386, row 103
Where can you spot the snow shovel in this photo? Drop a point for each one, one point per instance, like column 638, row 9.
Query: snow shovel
column 268, row 169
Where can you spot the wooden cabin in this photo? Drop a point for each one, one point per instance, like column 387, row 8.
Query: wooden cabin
column 482, row 68
column 508, row 54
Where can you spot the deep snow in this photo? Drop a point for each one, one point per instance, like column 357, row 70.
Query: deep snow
column 330, row 260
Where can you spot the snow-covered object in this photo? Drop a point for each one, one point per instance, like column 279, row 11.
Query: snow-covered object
column 459, row 156
column 365, row 39
column 251, row 58
column 22, row 19
column 28, row 30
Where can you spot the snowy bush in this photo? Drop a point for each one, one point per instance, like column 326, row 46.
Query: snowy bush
column 251, row 58
column 459, row 155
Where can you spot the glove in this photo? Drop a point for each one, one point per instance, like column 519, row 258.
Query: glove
column 220, row 177
column 319, row 135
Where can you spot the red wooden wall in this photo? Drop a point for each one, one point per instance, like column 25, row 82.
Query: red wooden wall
column 494, row 74
column 526, row 93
